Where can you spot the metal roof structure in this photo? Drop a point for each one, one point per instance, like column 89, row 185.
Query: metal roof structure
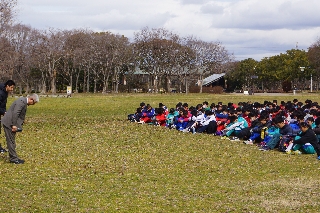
column 212, row 78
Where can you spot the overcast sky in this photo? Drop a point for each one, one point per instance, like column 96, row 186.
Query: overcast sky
column 247, row 28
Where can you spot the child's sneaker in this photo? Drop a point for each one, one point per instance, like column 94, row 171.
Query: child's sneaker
column 234, row 139
column 218, row 133
column 250, row 142
column 318, row 157
column 264, row 148
column 261, row 144
column 186, row 130
column 291, row 152
column 297, row 152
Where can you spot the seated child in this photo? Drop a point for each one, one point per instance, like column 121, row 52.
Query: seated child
column 284, row 130
column 209, row 124
column 258, row 130
column 183, row 120
column 306, row 136
column 171, row 117
column 147, row 114
column 221, row 119
column 233, row 128
column 160, row 118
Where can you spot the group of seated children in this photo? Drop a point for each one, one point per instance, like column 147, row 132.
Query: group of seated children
column 292, row 127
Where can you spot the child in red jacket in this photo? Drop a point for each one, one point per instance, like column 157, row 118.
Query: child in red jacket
column 160, row 118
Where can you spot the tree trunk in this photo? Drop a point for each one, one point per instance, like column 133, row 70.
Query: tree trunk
column 88, row 80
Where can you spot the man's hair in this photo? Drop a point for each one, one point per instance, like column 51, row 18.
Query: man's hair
column 35, row 97
column 9, row 83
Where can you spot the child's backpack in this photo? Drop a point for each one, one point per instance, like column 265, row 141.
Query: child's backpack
column 295, row 128
column 263, row 132
column 284, row 142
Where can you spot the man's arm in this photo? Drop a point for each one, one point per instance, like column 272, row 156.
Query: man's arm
column 2, row 103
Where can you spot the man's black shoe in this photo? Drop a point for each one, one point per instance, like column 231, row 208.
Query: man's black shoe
column 2, row 150
column 19, row 161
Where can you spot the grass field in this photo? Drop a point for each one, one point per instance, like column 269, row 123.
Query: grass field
column 82, row 155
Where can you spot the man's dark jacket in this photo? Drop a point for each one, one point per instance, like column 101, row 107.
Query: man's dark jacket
column 3, row 99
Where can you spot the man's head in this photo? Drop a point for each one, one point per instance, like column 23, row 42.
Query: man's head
column 32, row 99
column 9, row 85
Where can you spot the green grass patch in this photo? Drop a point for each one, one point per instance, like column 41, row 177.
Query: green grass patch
column 82, row 155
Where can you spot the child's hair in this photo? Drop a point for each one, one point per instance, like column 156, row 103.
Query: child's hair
column 199, row 106
column 304, row 124
column 278, row 119
column 263, row 117
column 139, row 110
column 252, row 114
column 313, row 112
column 208, row 112
column 171, row 110
column 185, row 112
column 232, row 118
column 300, row 117
column 232, row 112
column 194, row 112
column 159, row 110
column 310, row 119
column 206, row 103
column 238, row 109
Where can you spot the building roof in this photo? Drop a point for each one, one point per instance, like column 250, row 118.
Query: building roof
column 212, row 78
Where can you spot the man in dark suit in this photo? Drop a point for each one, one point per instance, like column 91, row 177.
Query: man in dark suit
column 12, row 123
column 5, row 89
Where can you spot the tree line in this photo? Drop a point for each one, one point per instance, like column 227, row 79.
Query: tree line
column 50, row 60
column 295, row 69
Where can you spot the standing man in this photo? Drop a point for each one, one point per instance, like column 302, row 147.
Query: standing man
column 4, row 91
column 12, row 123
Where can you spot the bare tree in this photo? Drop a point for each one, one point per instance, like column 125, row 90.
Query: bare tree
column 153, row 49
column 7, row 58
column 7, row 53
column 7, row 14
column 210, row 57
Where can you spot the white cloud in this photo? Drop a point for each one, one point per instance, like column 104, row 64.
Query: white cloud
column 252, row 28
